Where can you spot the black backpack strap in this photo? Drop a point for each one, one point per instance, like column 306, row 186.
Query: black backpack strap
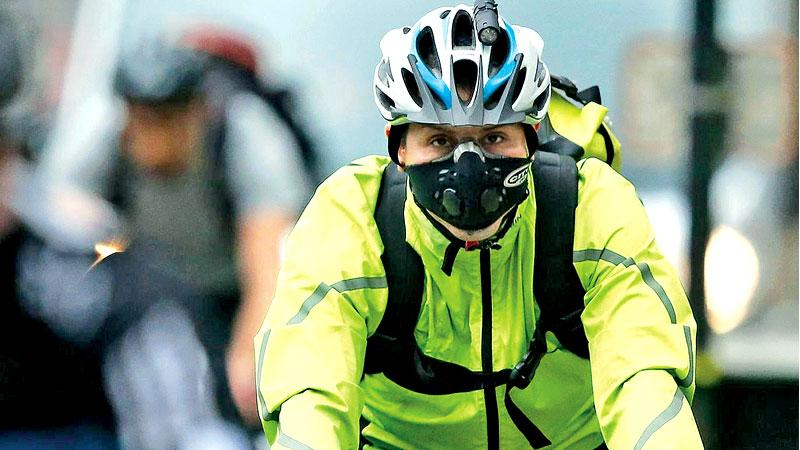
column 392, row 350
column 283, row 101
column 216, row 147
column 118, row 185
column 404, row 273
column 603, row 130
column 564, row 146
column 556, row 285
column 590, row 94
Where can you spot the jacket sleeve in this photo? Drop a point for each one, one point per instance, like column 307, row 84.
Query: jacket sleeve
column 331, row 294
column 638, row 321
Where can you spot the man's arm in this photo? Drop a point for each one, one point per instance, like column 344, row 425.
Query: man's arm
column 268, row 187
column 330, row 296
column 309, row 372
column 258, row 250
column 637, row 318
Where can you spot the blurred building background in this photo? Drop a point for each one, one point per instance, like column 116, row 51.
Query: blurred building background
column 639, row 53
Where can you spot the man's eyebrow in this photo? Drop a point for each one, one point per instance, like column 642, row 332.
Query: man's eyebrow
column 450, row 129
column 439, row 128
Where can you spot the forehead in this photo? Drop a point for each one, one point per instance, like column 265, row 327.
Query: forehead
column 427, row 129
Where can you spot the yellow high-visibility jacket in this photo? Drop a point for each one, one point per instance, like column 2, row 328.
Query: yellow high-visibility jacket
column 633, row 392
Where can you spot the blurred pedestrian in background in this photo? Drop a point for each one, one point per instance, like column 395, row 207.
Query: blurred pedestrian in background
column 208, row 174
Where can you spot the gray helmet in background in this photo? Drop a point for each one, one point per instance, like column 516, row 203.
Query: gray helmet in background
column 160, row 73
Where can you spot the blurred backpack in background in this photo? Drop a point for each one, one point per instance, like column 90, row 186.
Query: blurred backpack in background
column 234, row 61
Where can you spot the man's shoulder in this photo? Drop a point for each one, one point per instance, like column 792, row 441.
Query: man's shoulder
column 361, row 175
column 608, row 205
column 369, row 166
column 343, row 208
column 595, row 177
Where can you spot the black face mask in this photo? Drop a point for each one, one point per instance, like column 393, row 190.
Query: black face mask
column 469, row 188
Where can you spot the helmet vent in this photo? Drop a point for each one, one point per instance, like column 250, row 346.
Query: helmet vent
column 411, row 86
column 540, row 101
column 519, row 81
column 491, row 102
column 539, row 74
column 386, row 101
column 444, row 14
column 385, row 72
column 499, row 54
column 426, row 48
column 465, row 77
column 463, row 31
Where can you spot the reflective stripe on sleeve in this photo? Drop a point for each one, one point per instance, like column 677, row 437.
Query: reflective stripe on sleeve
column 259, row 367
column 689, row 379
column 617, row 259
column 668, row 414
column 290, row 442
column 342, row 286
column 319, row 293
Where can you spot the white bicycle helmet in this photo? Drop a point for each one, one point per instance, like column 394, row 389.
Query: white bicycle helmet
column 439, row 72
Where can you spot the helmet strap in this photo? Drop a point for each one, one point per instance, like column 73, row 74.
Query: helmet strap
column 531, row 138
column 394, row 135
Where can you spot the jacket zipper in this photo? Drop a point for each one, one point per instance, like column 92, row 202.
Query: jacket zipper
column 490, row 400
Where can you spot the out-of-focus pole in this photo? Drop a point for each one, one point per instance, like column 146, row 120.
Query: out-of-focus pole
column 96, row 37
column 708, row 125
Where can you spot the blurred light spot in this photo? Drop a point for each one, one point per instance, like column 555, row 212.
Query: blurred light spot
column 739, row 191
column 106, row 249
column 732, row 274
column 668, row 215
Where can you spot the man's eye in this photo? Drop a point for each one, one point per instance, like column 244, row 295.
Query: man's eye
column 439, row 142
column 494, row 139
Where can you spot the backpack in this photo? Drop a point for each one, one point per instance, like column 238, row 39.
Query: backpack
column 574, row 129
column 280, row 100
column 577, row 125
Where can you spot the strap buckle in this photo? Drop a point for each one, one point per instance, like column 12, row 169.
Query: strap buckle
column 522, row 373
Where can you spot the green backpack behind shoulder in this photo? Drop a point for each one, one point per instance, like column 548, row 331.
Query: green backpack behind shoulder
column 577, row 125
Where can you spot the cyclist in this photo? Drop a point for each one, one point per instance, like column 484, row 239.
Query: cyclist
column 462, row 125
column 203, row 184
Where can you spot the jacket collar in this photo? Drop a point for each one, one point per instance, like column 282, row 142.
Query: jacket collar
column 428, row 237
